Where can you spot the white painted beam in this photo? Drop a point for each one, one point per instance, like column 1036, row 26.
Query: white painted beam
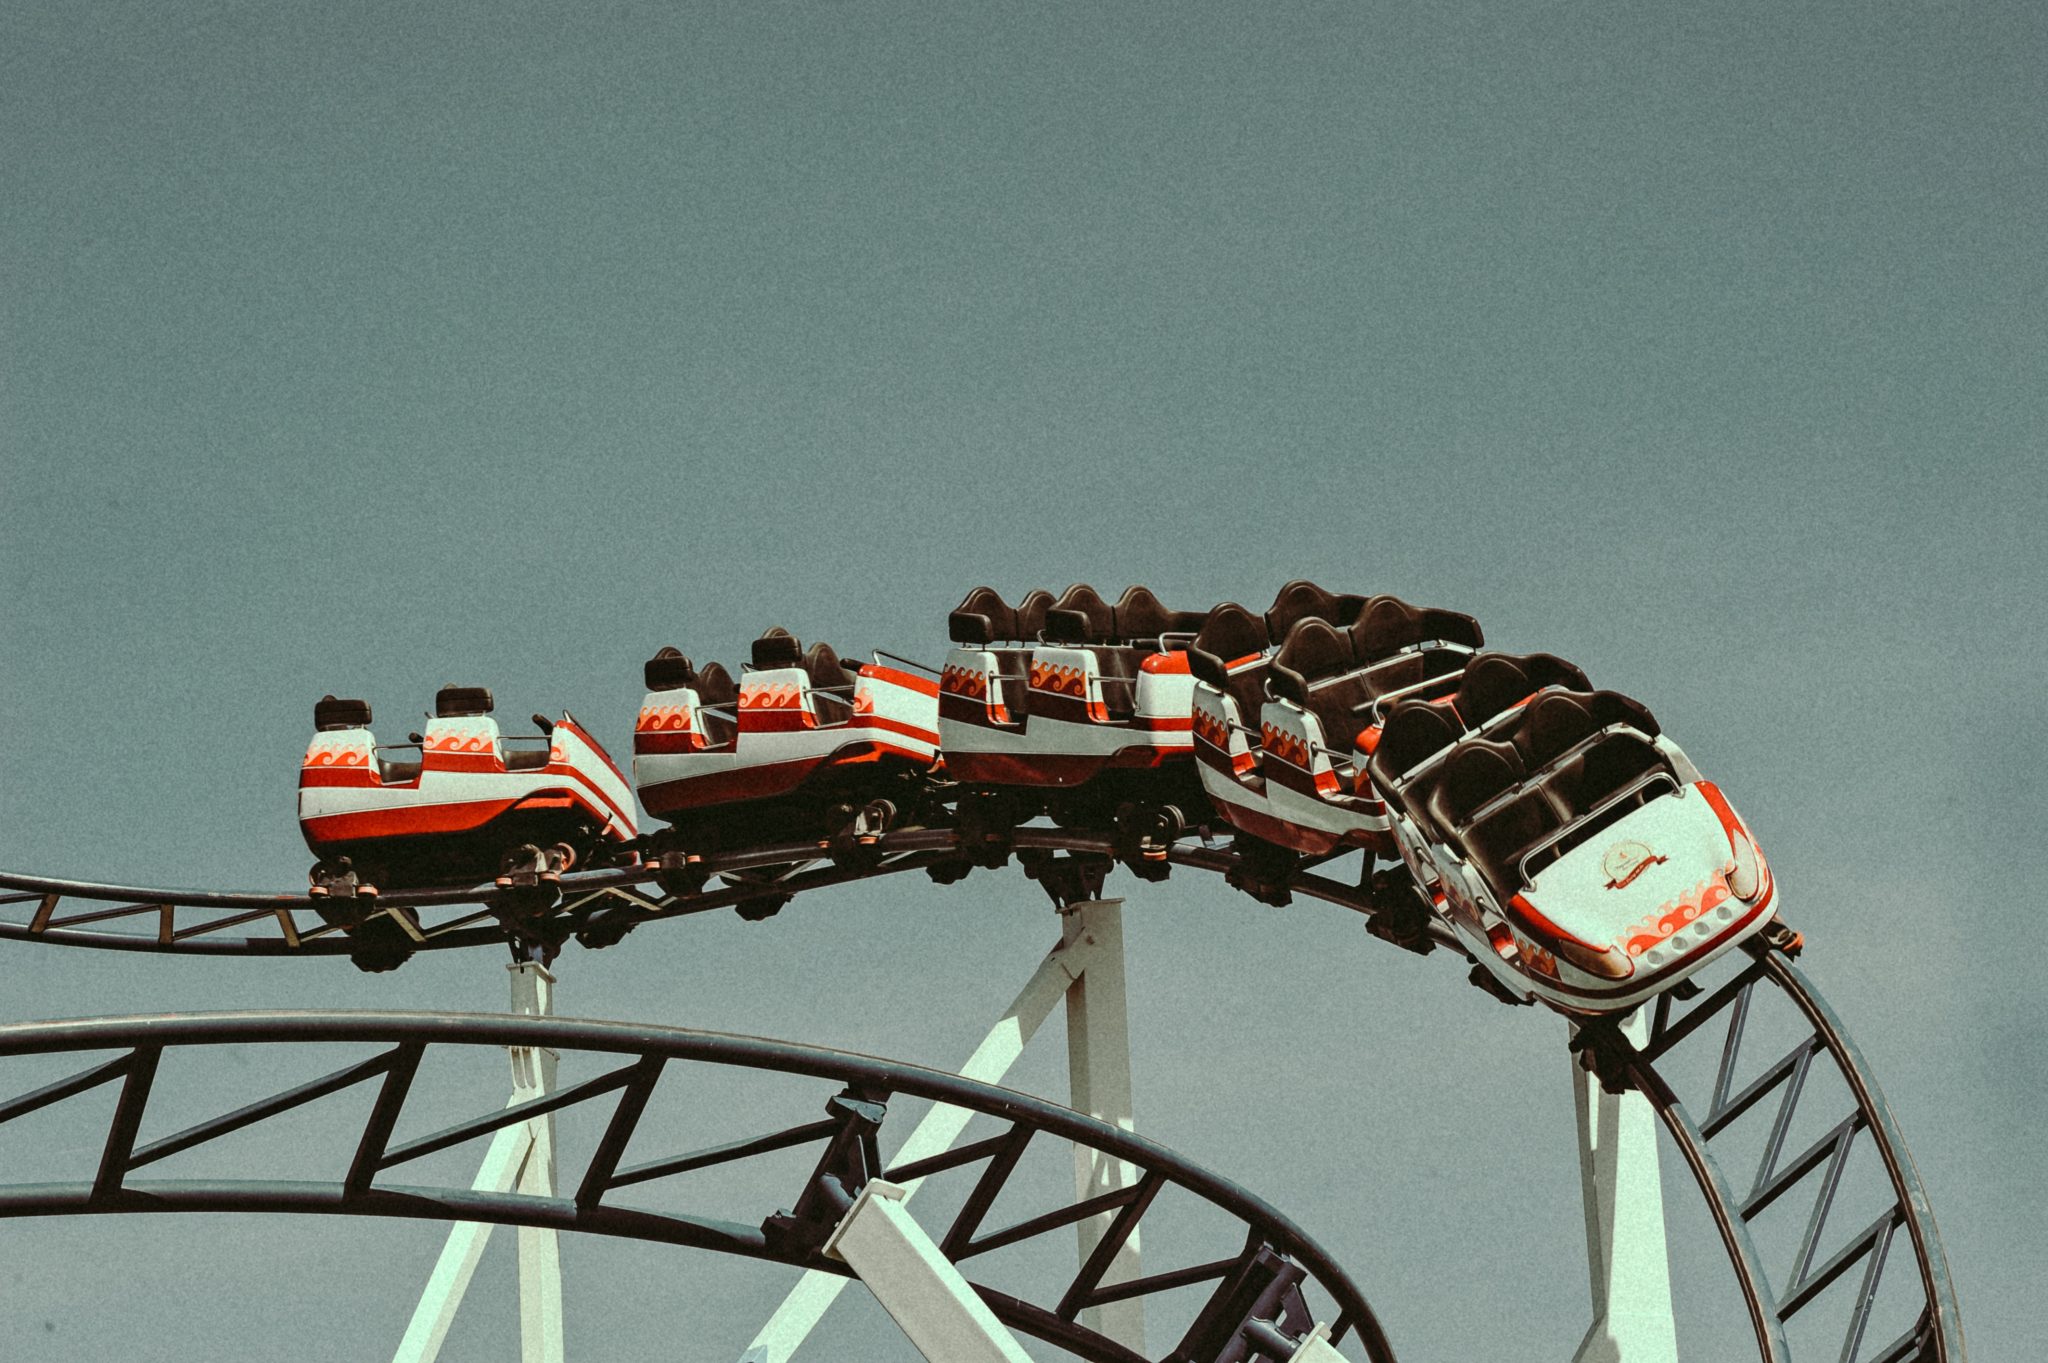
column 815, row 1292
column 916, row 1284
column 1626, row 1256
column 1099, row 1078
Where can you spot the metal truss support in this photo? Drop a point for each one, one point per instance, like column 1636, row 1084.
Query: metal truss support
column 520, row 1157
column 1624, row 1202
column 1056, row 978
column 936, row 1308
column 1099, row 1078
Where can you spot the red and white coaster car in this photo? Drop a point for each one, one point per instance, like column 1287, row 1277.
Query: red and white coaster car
column 451, row 806
column 1574, row 849
column 1076, row 705
column 803, row 747
column 1298, row 779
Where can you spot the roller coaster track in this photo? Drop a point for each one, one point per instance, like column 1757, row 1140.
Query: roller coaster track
column 1709, row 1103
column 1260, row 1278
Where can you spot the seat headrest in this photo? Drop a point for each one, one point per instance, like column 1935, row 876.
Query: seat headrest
column 1477, row 771
column 824, row 666
column 451, row 701
column 1547, row 669
column 982, row 618
column 668, row 670
column 331, row 713
column 1452, row 627
column 778, row 648
column 1097, row 618
column 1231, row 632
column 715, row 686
column 1414, row 731
column 1385, row 627
column 1031, row 614
column 1552, row 724
column 1491, row 684
column 1298, row 600
column 1611, row 707
column 1315, row 649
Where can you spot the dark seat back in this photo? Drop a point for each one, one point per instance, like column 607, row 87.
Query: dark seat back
column 331, row 713
column 668, row 670
column 1314, row 650
column 1477, row 771
column 982, row 618
column 1080, row 616
column 1141, row 618
column 1229, row 634
column 1415, row 731
column 831, row 684
column 715, row 687
column 778, row 648
column 1497, row 841
column 1030, row 618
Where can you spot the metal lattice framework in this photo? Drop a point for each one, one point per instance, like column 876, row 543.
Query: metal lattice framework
column 1257, row 1279
column 79, row 914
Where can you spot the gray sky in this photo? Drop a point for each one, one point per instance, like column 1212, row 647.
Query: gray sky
column 365, row 348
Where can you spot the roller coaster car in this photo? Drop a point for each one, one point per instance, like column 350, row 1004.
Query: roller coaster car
column 1302, row 786
column 803, row 747
column 459, row 805
column 1074, row 707
column 1574, row 849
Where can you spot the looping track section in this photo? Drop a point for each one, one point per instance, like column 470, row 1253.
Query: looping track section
column 1263, row 1283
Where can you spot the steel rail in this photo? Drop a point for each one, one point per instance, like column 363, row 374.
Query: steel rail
column 868, row 1083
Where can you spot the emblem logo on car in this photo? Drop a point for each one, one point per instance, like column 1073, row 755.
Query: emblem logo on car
column 1624, row 861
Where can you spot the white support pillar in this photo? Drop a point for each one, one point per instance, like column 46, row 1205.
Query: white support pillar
column 916, row 1284
column 540, row 1260
column 807, row 1302
column 1624, row 1200
column 521, row 1156
column 1099, row 1078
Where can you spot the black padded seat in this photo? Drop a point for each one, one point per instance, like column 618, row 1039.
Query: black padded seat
column 715, row 686
column 1612, row 707
column 1298, row 600
column 1080, row 616
column 1031, row 615
column 330, row 713
column 397, row 771
column 1229, row 633
column 1477, row 771
column 525, row 756
column 1414, row 732
column 1497, row 841
column 1388, row 624
column 982, row 618
column 1551, row 726
column 1142, row 617
column 1547, row 669
column 1492, row 683
column 669, row 670
column 778, row 648
column 827, row 673
column 1616, row 761
column 1315, row 650
column 451, row 701
column 718, row 703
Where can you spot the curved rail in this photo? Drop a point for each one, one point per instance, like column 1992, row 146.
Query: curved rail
column 1822, row 1170
column 770, row 873
column 1257, row 1282
column 201, row 922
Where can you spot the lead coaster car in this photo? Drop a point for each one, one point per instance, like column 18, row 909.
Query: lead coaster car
column 1074, row 708
column 804, row 747
column 1573, row 848
column 461, row 804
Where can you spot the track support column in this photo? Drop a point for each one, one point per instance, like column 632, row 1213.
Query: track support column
column 815, row 1292
column 1624, row 1202
column 916, row 1284
column 1099, row 1079
column 521, row 1157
